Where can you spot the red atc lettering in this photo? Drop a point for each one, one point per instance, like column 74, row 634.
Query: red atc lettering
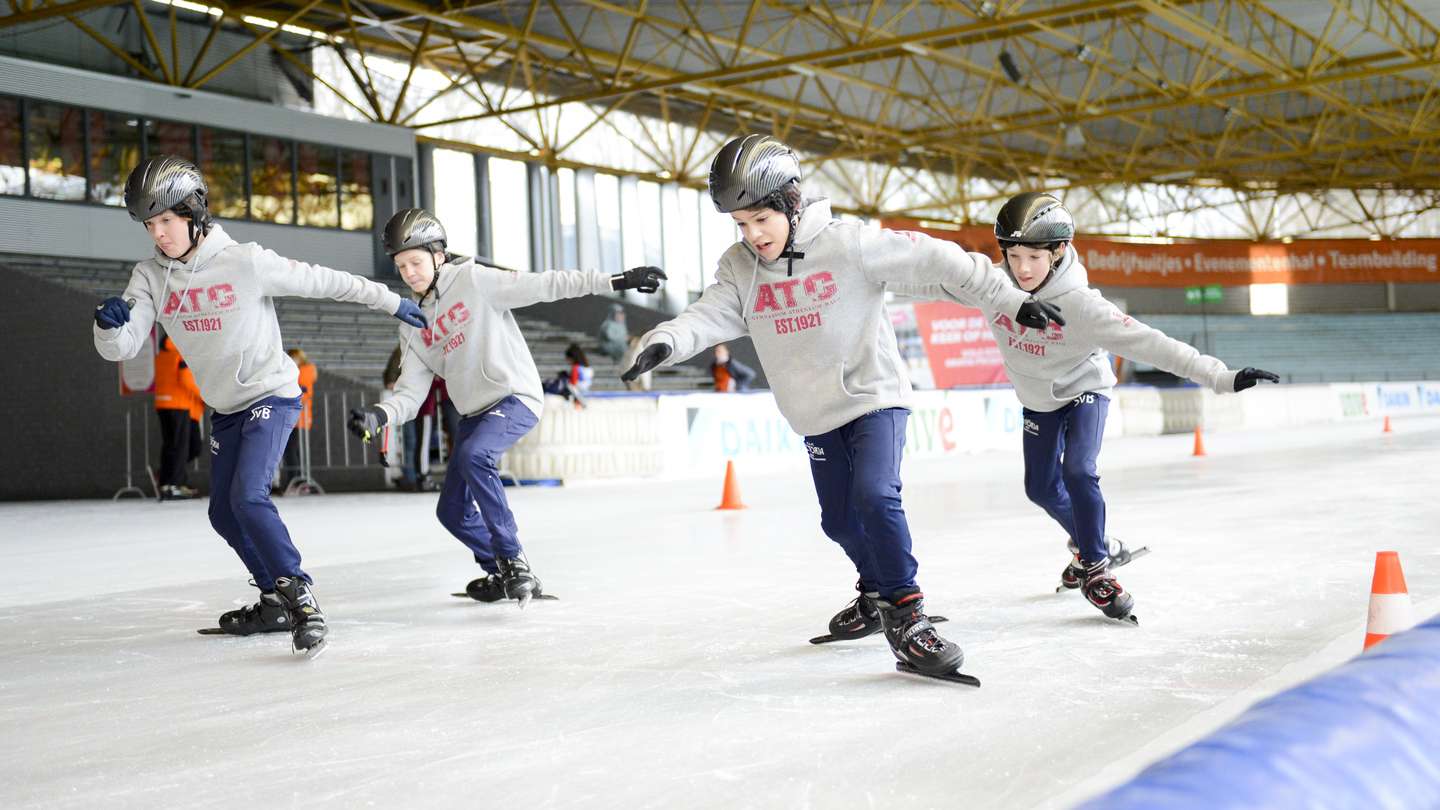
column 453, row 318
column 777, row 296
column 453, row 343
column 1037, row 349
column 1051, row 333
column 199, row 300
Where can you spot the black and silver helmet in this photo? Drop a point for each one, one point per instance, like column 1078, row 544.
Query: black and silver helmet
column 413, row 228
column 749, row 169
column 1034, row 218
column 165, row 183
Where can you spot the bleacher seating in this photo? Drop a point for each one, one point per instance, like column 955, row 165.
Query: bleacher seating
column 354, row 342
column 1317, row 347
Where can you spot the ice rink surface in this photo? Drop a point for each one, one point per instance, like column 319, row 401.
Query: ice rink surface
column 675, row 671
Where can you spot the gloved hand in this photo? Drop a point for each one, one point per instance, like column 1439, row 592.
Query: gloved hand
column 1248, row 377
column 410, row 313
column 648, row 358
column 112, row 313
column 645, row 279
column 1037, row 314
column 366, row 422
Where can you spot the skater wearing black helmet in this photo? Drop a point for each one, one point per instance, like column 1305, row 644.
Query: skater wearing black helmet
column 475, row 345
column 810, row 292
column 1063, row 379
column 215, row 298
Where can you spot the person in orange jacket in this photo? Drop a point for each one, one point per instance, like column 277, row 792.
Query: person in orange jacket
column 175, row 392
column 290, row 470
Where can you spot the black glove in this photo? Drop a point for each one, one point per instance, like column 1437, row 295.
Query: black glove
column 648, row 358
column 410, row 313
column 366, row 422
column 645, row 279
column 1247, row 377
column 1037, row 314
column 112, row 313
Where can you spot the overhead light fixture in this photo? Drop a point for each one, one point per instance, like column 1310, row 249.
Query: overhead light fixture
column 1074, row 136
column 1083, row 52
column 802, row 70
column 1012, row 70
column 910, row 47
column 1173, row 176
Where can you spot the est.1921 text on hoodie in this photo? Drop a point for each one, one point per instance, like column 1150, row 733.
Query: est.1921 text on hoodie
column 1051, row 367
column 473, row 340
column 219, row 309
column 823, row 335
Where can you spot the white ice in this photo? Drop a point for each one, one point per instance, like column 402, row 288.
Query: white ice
column 675, row 672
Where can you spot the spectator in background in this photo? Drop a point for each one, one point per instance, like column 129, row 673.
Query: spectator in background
column 642, row 381
column 174, row 392
column 730, row 374
column 290, row 469
column 574, row 381
column 614, row 334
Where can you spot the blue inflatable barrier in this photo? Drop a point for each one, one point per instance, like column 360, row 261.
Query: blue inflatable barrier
column 1364, row 735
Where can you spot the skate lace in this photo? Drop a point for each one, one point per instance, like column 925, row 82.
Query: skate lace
column 1103, row 588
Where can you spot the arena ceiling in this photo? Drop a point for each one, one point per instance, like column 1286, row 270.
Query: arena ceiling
column 1278, row 96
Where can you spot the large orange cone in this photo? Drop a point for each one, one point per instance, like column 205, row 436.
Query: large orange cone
column 1199, row 442
column 1390, row 609
column 730, row 499
column 1386, row 429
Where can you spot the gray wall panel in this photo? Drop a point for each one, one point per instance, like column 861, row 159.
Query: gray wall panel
column 22, row 77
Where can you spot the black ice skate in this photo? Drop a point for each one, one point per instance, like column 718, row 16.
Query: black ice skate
column 1074, row 574
column 307, row 631
column 491, row 588
column 1104, row 592
column 265, row 616
column 517, row 580
column 918, row 649
column 858, row 619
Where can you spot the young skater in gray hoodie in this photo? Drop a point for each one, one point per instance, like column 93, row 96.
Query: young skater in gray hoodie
column 1063, row 379
column 475, row 345
column 809, row 290
column 216, row 298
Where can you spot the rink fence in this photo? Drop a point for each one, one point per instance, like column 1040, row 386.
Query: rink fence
column 693, row 434
column 1365, row 734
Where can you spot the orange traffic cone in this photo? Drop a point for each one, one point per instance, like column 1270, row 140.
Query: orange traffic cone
column 1199, row 442
column 1386, row 429
column 1390, row 609
column 730, row 498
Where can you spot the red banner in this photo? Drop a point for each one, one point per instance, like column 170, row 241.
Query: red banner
column 959, row 345
column 1229, row 263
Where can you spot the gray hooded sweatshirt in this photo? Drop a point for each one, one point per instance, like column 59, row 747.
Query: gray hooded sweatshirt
column 1049, row 368
column 219, row 309
column 823, row 335
column 473, row 341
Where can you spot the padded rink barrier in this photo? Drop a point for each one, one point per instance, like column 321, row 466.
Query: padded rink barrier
column 1364, row 735
column 612, row 437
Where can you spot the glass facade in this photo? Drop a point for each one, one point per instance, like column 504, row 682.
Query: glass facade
column 60, row 152
column 114, row 151
column 318, row 183
column 55, row 145
column 222, row 160
column 272, row 180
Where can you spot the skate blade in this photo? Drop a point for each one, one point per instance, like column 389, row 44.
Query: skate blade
column 211, row 631
column 953, row 677
column 828, row 638
column 541, row 597
column 315, row 651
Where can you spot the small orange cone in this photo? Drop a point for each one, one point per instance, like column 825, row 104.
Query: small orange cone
column 1390, row 608
column 1386, row 429
column 730, row 499
column 1199, row 442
